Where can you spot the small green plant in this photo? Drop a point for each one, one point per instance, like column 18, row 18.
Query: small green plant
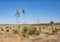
column 15, row 31
column 55, row 31
column 25, row 31
column 33, row 31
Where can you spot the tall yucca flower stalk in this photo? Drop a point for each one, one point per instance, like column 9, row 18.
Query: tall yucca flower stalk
column 23, row 11
column 17, row 15
column 38, row 22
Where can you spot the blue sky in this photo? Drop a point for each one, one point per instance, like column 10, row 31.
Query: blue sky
column 44, row 10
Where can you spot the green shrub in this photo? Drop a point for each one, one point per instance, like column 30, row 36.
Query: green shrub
column 25, row 31
column 15, row 31
column 34, row 32
column 55, row 31
column 31, row 32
